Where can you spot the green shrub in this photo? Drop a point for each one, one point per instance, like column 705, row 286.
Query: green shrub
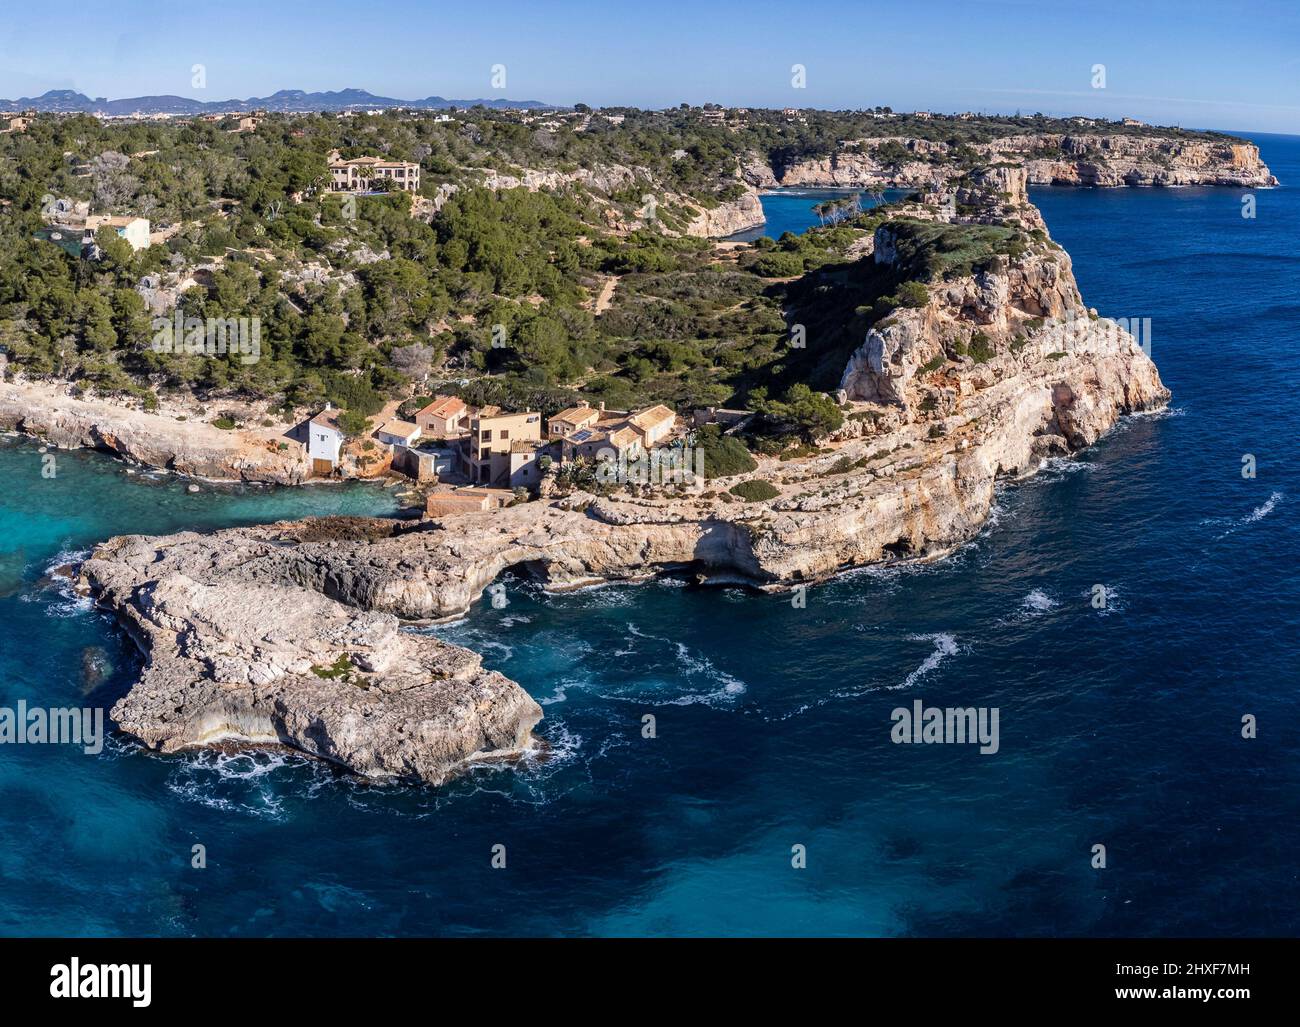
column 722, row 455
column 913, row 294
column 352, row 423
column 981, row 348
column 224, row 423
column 754, row 490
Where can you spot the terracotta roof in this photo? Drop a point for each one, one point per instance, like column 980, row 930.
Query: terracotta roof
column 652, row 417
column 623, row 437
column 575, row 414
column 444, row 406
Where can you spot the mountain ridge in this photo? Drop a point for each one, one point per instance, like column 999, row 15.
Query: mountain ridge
column 69, row 101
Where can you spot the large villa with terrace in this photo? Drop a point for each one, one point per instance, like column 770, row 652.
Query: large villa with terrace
column 359, row 175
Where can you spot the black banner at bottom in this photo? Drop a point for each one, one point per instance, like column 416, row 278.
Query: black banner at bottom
column 149, row 976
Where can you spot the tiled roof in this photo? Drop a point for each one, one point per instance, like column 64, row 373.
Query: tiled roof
column 575, row 414
column 652, row 417
column 402, row 428
column 624, row 437
column 444, row 406
column 327, row 419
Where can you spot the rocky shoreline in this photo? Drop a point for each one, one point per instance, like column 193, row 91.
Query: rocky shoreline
column 291, row 632
column 230, row 658
column 191, row 448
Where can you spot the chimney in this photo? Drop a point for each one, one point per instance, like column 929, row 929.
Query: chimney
column 329, row 405
column 601, row 406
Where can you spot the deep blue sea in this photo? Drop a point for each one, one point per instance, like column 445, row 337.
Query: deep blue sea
column 1119, row 727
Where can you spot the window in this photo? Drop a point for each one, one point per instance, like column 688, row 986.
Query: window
column 505, row 434
column 487, row 435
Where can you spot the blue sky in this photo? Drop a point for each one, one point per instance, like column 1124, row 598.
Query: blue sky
column 1235, row 66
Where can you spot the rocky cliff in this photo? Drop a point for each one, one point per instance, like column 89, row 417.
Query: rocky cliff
column 992, row 371
column 1096, row 160
column 724, row 218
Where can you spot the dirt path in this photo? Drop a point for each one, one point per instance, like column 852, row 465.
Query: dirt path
column 606, row 296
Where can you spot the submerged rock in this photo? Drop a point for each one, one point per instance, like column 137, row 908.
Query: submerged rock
column 95, row 668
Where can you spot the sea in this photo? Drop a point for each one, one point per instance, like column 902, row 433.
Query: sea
column 721, row 762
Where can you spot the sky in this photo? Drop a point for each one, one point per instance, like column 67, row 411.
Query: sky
column 1201, row 65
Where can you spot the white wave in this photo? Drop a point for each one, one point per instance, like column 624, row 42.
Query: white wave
column 1257, row 514
column 945, row 645
column 204, row 775
column 1264, row 509
column 71, row 603
column 561, row 692
column 1059, row 466
column 1038, row 601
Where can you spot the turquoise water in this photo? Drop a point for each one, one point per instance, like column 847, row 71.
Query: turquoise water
column 1118, row 727
column 791, row 210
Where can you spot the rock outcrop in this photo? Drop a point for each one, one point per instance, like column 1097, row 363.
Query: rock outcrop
column 727, row 218
column 189, row 447
column 233, row 657
column 1097, row 160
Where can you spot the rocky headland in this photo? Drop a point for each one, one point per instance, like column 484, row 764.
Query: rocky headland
column 291, row 632
column 257, row 658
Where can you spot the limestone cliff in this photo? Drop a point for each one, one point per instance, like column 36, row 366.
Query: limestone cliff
column 993, row 371
column 1095, row 160
column 696, row 219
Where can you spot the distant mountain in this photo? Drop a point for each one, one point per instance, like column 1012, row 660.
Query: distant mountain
column 67, row 101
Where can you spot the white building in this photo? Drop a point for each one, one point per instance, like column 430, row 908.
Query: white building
column 324, row 441
column 133, row 230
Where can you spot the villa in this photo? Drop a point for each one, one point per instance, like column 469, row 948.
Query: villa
column 492, row 435
column 620, row 439
column 653, row 424
column 76, row 236
column 133, row 230
column 358, row 175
